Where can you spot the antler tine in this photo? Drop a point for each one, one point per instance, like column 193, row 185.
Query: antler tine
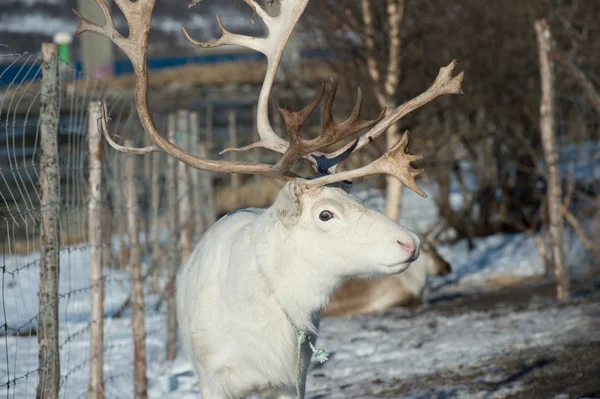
column 130, row 150
column 328, row 107
column 353, row 122
column 229, row 38
column 138, row 15
column 395, row 162
column 295, row 119
column 254, row 43
column 107, row 29
column 334, row 132
column 357, row 105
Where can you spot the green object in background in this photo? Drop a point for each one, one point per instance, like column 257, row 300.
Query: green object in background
column 63, row 40
column 63, row 52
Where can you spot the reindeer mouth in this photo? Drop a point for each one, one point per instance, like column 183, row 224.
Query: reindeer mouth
column 395, row 268
column 415, row 255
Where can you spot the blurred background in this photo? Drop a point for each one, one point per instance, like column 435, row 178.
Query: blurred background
column 511, row 227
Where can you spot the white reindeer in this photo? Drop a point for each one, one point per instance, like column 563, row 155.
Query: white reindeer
column 248, row 298
column 255, row 269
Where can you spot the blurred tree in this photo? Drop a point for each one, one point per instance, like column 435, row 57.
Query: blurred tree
column 385, row 74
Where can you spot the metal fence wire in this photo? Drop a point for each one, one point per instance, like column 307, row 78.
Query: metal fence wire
column 21, row 215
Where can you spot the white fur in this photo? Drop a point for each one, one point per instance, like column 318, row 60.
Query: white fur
column 251, row 266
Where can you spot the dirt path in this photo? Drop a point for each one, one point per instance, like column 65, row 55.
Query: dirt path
column 569, row 372
column 507, row 343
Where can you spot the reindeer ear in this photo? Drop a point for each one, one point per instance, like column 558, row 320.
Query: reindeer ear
column 288, row 205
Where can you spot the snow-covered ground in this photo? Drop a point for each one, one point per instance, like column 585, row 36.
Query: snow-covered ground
column 369, row 353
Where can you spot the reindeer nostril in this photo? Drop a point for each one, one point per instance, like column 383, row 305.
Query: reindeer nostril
column 409, row 248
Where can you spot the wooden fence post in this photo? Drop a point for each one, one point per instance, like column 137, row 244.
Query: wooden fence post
column 209, row 129
column 157, row 254
column 147, row 182
column 116, row 193
column 206, row 151
column 233, row 156
column 172, row 250
column 550, row 148
column 197, row 206
column 49, row 356
column 209, row 216
column 135, row 272
column 255, row 139
column 95, row 228
column 121, row 223
column 183, row 187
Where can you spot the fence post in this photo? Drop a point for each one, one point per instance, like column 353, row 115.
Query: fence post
column 183, row 186
column 197, row 207
column 209, row 129
column 233, row 156
column 206, row 151
column 255, row 139
column 121, row 224
column 207, row 190
column 49, row 356
column 95, row 223
column 550, row 148
column 116, row 194
column 156, row 249
column 147, row 181
column 135, row 272
column 172, row 250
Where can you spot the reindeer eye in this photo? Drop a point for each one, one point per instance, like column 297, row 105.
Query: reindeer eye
column 325, row 216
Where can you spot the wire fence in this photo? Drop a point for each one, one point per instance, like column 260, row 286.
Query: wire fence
column 26, row 368
column 25, row 372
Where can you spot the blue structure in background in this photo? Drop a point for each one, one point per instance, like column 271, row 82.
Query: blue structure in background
column 18, row 73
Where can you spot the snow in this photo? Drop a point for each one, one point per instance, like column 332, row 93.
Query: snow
column 20, row 302
column 365, row 349
column 398, row 347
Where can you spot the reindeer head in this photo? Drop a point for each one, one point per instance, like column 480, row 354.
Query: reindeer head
column 329, row 228
column 437, row 265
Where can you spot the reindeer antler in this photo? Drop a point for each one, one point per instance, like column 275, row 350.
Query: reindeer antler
column 395, row 162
